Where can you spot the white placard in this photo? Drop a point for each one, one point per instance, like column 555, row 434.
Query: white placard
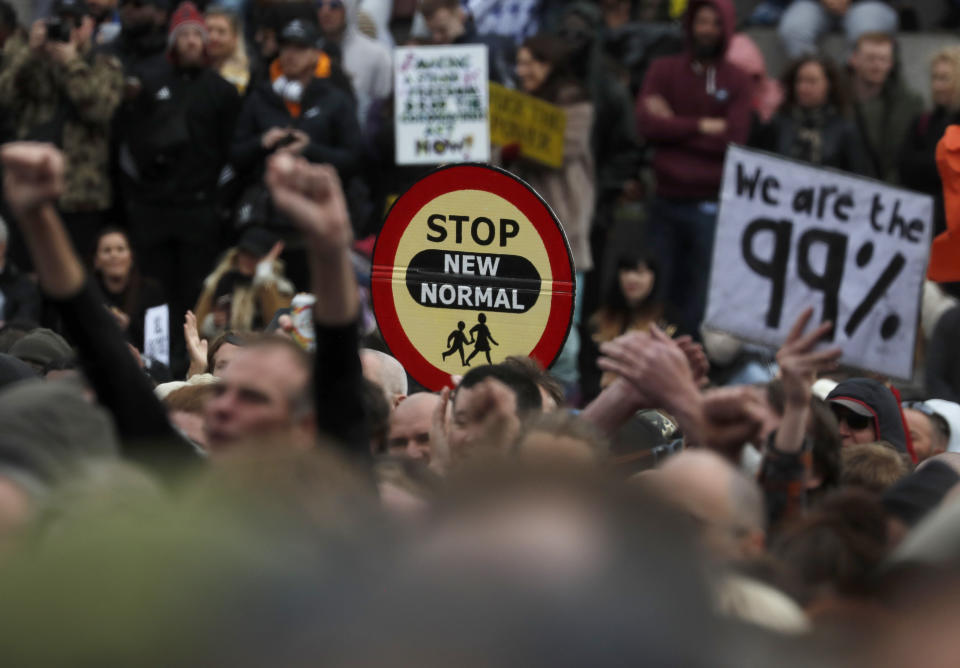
column 791, row 236
column 156, row 334
column 441, row 106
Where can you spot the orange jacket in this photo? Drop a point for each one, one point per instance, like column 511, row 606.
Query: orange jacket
column 322, row 72
column 945, row 252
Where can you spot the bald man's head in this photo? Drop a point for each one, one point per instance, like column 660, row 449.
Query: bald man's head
column 410, row 426
column 386, row 372
column 728, row 503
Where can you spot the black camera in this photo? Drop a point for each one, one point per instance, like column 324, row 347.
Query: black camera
column 58, row 29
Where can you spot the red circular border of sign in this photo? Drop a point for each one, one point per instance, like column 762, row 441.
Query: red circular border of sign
column 497, row 182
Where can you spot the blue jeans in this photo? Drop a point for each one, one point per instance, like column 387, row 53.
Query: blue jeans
column 680, row 235
column 805, row 21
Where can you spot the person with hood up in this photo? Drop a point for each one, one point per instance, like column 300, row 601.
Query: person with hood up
column 691, row 106
column 172, row 165
column 367, row 61
column 869, row 411
column 949, row 412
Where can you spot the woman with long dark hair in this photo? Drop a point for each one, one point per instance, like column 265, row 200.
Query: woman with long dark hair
column 126, row 292
column 813, row 125
column 630, row 303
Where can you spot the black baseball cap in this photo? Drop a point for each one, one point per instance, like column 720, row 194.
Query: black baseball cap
column 70, row 8
column 257, row 241
column 299, row 33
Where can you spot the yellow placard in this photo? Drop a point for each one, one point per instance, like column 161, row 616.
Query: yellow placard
column 537, row 126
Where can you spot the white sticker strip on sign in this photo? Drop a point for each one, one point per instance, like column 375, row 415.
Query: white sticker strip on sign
column 791, row 236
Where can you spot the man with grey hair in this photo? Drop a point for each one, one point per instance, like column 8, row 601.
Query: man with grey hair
column 727, row 504
column 19, row 296
column 264, row 396
column 386, row 372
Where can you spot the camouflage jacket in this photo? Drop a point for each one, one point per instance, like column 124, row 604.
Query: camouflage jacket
column 71, row 105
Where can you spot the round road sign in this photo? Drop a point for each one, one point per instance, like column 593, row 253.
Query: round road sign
column 471, row 267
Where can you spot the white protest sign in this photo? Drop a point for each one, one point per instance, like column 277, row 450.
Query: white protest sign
column 791, row 236
column 441, row 104
column 156, row 334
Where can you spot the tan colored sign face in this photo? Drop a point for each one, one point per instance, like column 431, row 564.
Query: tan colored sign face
column 471, row 267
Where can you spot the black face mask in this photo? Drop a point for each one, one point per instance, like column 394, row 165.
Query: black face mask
column 138, row 29
column 703, row 52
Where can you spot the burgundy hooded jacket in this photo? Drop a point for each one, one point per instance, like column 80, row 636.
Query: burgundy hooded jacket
column 688, row 164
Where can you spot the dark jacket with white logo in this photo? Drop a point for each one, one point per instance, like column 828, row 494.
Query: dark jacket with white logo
column 327, row 115
column 179, row 134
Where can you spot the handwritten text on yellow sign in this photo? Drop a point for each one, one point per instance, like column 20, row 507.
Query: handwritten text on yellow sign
column 537, row 126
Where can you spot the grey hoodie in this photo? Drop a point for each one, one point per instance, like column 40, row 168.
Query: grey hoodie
column 367, row 62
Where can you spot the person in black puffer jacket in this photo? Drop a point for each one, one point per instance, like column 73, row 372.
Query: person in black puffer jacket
column 300, row 111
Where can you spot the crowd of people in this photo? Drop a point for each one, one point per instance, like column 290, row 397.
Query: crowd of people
column 278, row 484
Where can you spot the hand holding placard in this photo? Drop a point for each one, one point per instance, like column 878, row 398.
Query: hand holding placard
column 790, row 236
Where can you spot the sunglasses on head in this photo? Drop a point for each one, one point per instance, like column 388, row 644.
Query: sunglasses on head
column 854, row 420
column 330, row 4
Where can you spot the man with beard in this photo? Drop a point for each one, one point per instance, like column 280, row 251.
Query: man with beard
column 691, row 106
column 141, row 45
column 181, row 128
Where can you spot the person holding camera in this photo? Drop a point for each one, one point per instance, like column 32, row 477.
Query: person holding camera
column 297, row 110
column 56, row 88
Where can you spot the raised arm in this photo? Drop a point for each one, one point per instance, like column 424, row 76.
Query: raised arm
column 33, row 180
column 786, row 462
column 312, row 197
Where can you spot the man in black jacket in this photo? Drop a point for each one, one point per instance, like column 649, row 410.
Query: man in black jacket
column 172, row 157
column 142, row 42
column 298, row 111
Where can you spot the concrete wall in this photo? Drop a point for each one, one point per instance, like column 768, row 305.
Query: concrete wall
column 929, row 12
